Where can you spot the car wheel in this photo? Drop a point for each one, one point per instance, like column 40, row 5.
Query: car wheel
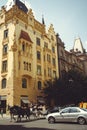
column 81, row 121
column 51, row 120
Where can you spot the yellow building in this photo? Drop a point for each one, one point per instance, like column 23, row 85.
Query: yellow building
column 28, row 55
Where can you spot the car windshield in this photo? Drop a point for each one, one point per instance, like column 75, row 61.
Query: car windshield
column 65, row 110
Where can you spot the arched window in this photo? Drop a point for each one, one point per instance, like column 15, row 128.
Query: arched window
column 39, row 85
column 3, row 83
column 24, row 83
column 23, row 47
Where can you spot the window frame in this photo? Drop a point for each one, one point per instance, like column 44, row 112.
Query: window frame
column 24, row 83
column 5, row 33
column 38, row 41
column 4, row 66
column 39, row 85
column 5, row 49
column 38, row 55
column 4, row 82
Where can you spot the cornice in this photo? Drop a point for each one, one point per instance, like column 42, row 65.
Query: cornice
column 16, row 13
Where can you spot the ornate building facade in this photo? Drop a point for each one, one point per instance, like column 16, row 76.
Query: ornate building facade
column 73, row 59
column 28, row 55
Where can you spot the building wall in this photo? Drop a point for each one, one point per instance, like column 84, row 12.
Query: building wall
column 23, row 30
column 69, row 59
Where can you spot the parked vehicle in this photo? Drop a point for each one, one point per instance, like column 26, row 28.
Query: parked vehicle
column 68, row 114
column 52, row 110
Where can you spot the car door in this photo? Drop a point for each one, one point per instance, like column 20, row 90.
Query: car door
column 74, row 112
column 63, row 115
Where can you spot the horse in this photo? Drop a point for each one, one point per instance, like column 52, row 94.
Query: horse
column 20, row 112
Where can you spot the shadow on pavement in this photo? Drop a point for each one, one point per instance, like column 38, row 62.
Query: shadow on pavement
column 20, row 127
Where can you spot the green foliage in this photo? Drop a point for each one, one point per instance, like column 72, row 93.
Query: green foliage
column 71, row 89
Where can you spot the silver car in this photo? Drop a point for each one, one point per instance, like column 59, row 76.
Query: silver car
column 69, row 114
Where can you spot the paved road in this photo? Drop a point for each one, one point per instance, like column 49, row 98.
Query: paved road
column 40, row 124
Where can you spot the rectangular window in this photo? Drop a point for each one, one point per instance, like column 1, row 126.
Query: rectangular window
column 53, row 61
column 19, row 65
column 39, row 85
column 24, row 83
column 54, row 74
column 45, row 45
column 29, row 66
column 38, row 69
column 23, row 47
column 3, row 83
column 49, row 72
column 53, row 49
column 38, row 55
column 44, row 57
column 4, row 66
column 44, row 72
column 5, row 49
column 6, row 33
column 38, row 41
column 48, row 58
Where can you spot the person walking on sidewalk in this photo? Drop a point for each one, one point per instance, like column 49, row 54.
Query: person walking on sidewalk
column 2, row 112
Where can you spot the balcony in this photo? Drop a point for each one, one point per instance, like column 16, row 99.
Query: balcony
column 4, row 73
column 46, row 50
column 26, row 72
column 5, row 40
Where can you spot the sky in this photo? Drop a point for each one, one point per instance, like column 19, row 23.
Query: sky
column 69, row 18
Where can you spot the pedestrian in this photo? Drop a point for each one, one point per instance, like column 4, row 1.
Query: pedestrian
column 2, row 112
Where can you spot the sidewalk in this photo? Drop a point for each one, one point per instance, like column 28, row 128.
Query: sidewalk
column 4, row 116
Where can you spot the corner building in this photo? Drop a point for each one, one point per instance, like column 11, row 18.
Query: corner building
column 28, row 56
column 75, row 59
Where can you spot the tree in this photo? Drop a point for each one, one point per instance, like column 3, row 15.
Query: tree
column 71, row 89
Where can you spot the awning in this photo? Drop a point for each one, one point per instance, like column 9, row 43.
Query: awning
column 25, row 101
column 3, row 97
column 41, row 101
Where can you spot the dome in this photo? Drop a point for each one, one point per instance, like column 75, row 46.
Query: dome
column 23, row 5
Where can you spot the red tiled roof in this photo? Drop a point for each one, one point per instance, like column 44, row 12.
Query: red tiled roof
column 25, row 36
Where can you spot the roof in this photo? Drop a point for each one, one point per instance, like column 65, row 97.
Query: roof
column 21, row 5
column 25, row 36
column 78, row 46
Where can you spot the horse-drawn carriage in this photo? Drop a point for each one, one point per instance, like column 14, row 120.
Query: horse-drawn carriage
column 18, row 113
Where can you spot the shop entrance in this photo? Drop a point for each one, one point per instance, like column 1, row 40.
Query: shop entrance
column 3, row 105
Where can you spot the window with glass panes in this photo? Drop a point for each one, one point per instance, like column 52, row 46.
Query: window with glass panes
column 39, row 85
column 5, row 49
column 6, row 33
column 4, row 66
column 38, row 69
column 53, row 49
column 3, row 83
column 38, row 55
column 53, row 61
column 24, row 83
column 38, row 41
